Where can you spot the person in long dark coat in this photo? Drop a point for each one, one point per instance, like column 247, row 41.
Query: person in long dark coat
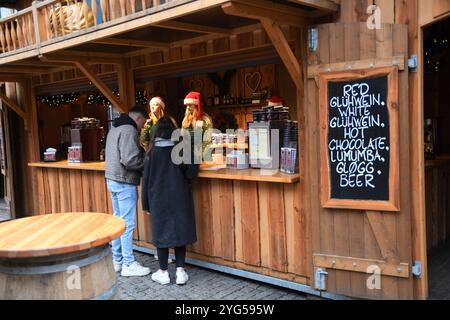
column 167, row 196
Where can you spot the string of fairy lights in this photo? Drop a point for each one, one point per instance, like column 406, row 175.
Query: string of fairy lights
column 435, row 53
column 58, row 100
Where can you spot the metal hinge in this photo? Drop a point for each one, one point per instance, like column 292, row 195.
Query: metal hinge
column 413, row 63
column 313, row 42
column 320, row 279
column 417, row 269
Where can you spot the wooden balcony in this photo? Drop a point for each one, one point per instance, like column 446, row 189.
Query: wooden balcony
column 53, row 25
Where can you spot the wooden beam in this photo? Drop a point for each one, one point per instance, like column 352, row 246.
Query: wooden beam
column 315, row 70
column 400, row 270
column 14, row 106
column 262, row 9
column 284, row 50
column 73, row 57
column 325, row 5
column 21, row 69
column 440, row 8
column 101, row 86
column 8, row 77
column 182, row 26
column 41, row 63
column 132, row 43
column 214, row 36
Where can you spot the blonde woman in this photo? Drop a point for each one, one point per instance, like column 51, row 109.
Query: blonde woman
column 157, row 111
column 195, row 117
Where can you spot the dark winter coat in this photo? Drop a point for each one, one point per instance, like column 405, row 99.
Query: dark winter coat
column 167, row 195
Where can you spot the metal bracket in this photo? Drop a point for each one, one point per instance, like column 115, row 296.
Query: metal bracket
column 313, row 36
column 320, row 279
column 413, row 63
column 417, row 269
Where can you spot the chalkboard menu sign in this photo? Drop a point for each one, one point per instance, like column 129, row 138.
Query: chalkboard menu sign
column 359, row 139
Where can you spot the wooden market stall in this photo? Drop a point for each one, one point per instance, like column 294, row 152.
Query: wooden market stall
column 352, row 221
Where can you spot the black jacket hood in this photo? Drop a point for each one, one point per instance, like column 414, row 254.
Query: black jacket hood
column 124, row 119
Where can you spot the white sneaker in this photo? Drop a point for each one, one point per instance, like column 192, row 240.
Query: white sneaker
column 134, row 270
column 117, row 266
column 182, row 276
column 162, row 277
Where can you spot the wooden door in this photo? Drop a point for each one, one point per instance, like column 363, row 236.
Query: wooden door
column 353, row 246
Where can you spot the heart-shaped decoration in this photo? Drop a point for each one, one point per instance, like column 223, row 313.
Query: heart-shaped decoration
column 196, row 85
column 253, row 81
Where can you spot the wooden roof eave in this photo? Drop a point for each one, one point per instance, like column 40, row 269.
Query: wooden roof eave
column 131, row 22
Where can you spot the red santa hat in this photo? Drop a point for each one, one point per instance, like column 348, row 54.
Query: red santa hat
column 195, row 98
column 158, row 101
column 275, row 101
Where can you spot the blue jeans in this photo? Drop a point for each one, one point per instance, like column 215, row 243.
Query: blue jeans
column 124, row 201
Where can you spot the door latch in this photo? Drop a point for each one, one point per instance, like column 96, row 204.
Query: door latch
column 413, row 63
column 320, row 279
column 417, row 269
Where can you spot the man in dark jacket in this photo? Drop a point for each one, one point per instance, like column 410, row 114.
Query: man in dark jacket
column 124, row 165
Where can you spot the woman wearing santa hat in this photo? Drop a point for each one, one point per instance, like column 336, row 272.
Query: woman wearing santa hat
column 157, row 111
column 275, row 101
column 195, row 117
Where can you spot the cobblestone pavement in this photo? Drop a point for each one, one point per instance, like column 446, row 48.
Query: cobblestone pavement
column 203, row 285
column 4, row 211
column 4, row 216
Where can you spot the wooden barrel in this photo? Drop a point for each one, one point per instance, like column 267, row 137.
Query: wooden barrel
column 59, row 257
column 83, row 275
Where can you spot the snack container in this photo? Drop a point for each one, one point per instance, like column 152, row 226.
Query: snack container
column 288, row 159
column 283, row 160
column 49, row 156
column 293, row 167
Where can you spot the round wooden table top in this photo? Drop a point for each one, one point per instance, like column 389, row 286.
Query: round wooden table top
column 54, row 234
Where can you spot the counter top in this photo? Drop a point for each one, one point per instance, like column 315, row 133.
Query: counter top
column 53, row 234
column 225, row 174
column 251, row 175
column 91, row 166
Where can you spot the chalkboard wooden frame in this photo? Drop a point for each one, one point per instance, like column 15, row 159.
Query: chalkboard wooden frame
column 393, row 204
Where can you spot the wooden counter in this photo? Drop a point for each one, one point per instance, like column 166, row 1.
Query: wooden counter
column 91, row 166
column 244, row 220
column 224, row 174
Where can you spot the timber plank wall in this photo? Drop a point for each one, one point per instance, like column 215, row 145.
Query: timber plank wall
column 254, row 226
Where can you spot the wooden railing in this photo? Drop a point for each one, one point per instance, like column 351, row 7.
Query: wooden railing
column 52, row 19
column 17, row 31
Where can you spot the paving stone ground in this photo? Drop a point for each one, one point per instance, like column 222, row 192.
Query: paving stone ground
column 203, row 285
column 438, row 275
column 4, row 211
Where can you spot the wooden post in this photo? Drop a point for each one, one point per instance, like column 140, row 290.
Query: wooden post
column 126, row 84
column 14, row 106
column 35, row 18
